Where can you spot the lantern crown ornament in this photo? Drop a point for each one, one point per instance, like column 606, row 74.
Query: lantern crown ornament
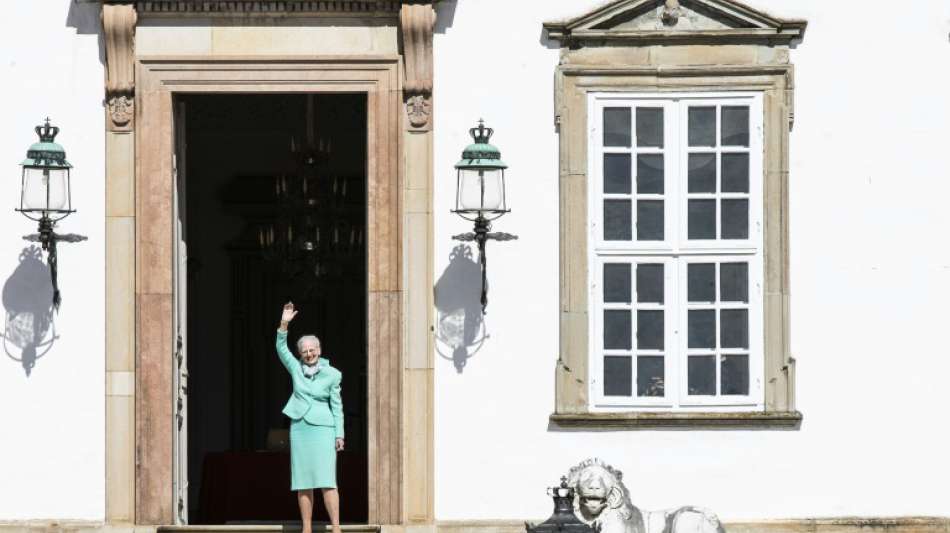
column 481, row 153
column 46, row 153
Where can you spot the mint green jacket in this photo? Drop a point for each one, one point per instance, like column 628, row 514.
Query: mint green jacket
column 315, row 400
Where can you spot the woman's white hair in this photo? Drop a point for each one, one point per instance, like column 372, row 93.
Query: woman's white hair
column 307, row 338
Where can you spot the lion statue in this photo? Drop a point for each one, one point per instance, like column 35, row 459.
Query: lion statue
column 602, row 501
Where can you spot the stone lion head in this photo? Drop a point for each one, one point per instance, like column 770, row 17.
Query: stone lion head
column 599, row 491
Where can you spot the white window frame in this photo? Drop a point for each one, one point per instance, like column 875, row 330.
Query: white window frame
column 675, row 251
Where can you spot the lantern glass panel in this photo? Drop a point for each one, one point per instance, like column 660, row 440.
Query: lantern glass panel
column 481, row 190
column 45, row 189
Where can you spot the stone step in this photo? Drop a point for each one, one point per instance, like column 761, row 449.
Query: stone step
column 275, row 527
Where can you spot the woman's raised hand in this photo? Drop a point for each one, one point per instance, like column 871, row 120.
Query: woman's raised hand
column 289, row 313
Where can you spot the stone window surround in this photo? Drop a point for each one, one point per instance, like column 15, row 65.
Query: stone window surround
column 573, row 83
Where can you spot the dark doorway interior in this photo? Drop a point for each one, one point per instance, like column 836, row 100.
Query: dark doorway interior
column 276, row 211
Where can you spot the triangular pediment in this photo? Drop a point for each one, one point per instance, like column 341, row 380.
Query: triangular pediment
column 675, row 20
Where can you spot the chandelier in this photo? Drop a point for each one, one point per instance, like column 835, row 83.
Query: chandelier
column 318, row 229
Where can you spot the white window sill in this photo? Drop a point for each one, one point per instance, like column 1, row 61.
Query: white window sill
column 782, row 420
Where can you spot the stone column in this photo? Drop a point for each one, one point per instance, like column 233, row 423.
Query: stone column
column 118, row 23
column 417, row 22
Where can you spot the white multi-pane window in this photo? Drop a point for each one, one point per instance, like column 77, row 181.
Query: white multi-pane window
column 675, row 222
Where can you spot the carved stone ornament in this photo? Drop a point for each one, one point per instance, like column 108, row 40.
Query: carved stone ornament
column 419, row 109
column 417, row 22
column 121, row 109
column 602, row 501
column 118, row 24
column 671, row 12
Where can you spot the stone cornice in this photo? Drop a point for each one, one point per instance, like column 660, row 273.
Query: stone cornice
column 269, row 7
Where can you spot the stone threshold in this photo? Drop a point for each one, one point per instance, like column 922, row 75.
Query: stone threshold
column 82, row 526
column 263, row 528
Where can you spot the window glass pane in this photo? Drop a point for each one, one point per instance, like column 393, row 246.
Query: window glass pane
column 701, row 282
column 650, row 376
column 617, row 174
column 735, row 219
column 617, row 329
column 617, row 126
column 650, row 283
column 618, row 220
column 702, row 173
column 702, row 126
column 702, row 219
column 735, row 126
column 734, row 282
column 735, row 173
column 650, row 126
column 701, row 328
column 618, row 376
column 650, row 174
column 617, row 282
column 734, row 374
column 649, row 330
column 734, row 328
column 701, row 375
column 650, row 220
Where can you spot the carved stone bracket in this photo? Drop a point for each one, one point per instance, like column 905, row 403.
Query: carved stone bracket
column 118, row 23
column 417, row 22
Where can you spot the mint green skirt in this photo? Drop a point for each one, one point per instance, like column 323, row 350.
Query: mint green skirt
column 312, row 456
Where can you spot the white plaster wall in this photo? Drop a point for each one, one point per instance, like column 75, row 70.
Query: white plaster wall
column 870, row 271
column 52, row 421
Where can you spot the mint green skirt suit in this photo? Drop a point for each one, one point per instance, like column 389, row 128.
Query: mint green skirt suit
column 316, row 421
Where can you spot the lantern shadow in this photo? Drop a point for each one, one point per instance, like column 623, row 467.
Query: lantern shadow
column 29, row 330
column 460, row 326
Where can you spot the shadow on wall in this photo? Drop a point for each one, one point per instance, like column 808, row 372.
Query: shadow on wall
column 444, row 15
column 29, row 331
column 548, row 42
column 460, row 325
column 85, row 19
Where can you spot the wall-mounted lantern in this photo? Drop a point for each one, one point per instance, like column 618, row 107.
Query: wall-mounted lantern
column 480, row 194
column 46, row 196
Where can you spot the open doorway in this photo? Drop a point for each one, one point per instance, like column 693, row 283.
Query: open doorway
column 272, row 189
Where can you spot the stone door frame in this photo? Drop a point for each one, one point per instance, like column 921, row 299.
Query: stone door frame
column 158, row 80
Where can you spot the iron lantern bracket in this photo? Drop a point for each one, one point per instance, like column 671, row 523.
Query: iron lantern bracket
column 480, row 236
column 48, row 239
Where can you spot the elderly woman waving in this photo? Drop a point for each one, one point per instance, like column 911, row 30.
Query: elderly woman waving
column 316, row 428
